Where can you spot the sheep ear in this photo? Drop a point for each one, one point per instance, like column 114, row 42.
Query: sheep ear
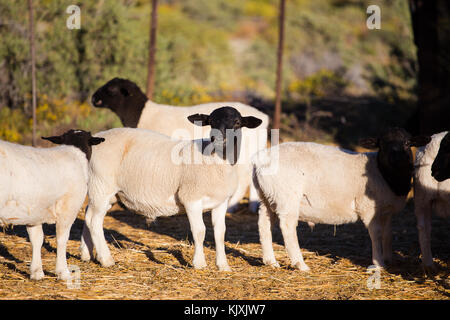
column 369, row 143
column 54, row 139
column 199, row 119
column 95, row 140
column 420, row 140
column 251, row 122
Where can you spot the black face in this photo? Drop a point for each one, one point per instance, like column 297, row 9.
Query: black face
column 440, row 169
column 78, row 138
column 395, row 149
column 395, row 159
column 123, row 97
column 114, row 93
column 226, row 124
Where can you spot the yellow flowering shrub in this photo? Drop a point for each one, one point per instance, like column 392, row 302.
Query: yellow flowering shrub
column 53, row 116
column 318, row 84
column 12, row 122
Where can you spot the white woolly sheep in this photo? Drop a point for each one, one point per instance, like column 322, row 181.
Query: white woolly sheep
column 45, row 185
column 324, row 184
column 431, row 190
column 135, row 110
column 145, row 170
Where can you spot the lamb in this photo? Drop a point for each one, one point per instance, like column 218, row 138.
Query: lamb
column 45, row 185
column 431, row 190
column 155, row 175
column 324, row 184
column 135, row 110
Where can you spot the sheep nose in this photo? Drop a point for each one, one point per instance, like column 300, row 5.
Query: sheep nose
column 96, row 102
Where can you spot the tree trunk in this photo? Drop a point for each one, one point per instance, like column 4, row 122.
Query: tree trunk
column 277, row 111
column 152, row 49
column 33, row 69
column 431, row 27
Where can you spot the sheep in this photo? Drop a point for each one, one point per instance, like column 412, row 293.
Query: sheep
column 135, row 110
column 155, row 175
column 45, row 185
column 324, row 184
column 431, row 190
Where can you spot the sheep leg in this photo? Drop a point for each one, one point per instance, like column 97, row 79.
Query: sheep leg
column 387, row 238
column 288, row 226
column 95, row 215
column 374, row 228
column 86, row 245
column 62, row 236
column 36, row 235
column 423, row 216
column 218, row 222
column 253, row 200
column 194, row 212
column 266, row 220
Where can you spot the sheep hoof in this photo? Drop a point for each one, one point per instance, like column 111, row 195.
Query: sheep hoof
column 302, row 267
column 199, row 264
column 273, row 264
column 85, row 256
column 37, row 275
column 224, row 268
column 106, row 262
column 429, row 269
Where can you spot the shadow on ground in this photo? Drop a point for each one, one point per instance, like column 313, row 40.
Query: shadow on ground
column 349, row 241
column 112, row 236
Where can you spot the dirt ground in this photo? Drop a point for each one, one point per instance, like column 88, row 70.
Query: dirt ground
column 155, row 262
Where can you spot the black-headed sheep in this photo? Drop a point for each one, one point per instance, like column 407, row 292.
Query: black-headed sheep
column 431, row 189
column 324, row 184
column 135, row 110
column 157, row 176
column 45, row 185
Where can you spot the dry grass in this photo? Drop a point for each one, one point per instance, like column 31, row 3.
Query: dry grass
column 154, row 263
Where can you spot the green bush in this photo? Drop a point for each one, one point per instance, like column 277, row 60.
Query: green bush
column 205, row 49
